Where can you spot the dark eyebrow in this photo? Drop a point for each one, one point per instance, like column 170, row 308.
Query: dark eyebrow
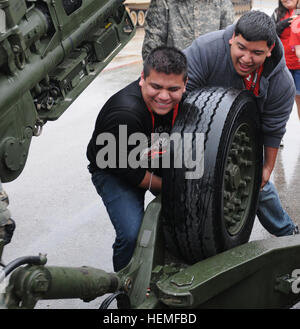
column 258, row 51
column 174, row 88
column 155, row 85
column 253, row 51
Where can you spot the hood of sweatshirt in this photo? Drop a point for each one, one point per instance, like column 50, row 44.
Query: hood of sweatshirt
column 273, row 64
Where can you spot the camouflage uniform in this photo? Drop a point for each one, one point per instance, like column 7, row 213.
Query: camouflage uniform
column 178, row 22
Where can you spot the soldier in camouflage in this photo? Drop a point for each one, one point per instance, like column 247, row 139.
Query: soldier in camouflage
column 178, row 22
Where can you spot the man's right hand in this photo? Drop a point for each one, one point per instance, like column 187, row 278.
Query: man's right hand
column 266, row 174
column 281, row 25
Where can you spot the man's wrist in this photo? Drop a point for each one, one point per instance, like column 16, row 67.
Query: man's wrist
column 150, row 182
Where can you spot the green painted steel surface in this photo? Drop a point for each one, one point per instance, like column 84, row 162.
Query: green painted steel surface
column 50, row 51
column 33, row 283
column 247, row 276
column 149, row 252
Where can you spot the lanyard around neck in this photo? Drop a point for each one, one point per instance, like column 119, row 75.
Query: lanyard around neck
column 254, row 80
column 175, row 112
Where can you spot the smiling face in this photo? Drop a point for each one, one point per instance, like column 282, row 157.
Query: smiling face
column 289, row 4
column 161, row 92
column 247, row 56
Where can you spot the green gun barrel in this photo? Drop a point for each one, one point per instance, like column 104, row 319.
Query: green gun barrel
column 39, row 282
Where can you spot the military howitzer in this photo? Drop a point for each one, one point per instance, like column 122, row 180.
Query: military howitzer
column 206, row 222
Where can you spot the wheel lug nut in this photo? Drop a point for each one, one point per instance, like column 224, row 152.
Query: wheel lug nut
column 247, row 179
column 237, row 201
column 237, row 218
column 229, row 220
column 243, row 183
column 230, row 206
column 226, row 195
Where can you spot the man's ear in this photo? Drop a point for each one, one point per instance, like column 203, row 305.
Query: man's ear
column 186, row 81
column 142, row 79
column 231, row 40
column 270, row 50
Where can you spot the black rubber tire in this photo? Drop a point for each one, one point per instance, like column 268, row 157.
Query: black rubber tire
column 193, row 210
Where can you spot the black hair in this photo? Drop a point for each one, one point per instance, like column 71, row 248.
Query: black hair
column 168, row 60
column 281, row 11
column 255, row 25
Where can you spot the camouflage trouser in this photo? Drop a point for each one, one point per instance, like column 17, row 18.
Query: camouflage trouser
column 178, row 23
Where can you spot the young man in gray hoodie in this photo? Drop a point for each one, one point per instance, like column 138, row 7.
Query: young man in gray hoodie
column 249, row 55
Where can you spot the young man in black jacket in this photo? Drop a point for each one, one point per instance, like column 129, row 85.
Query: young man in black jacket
column 141, row 111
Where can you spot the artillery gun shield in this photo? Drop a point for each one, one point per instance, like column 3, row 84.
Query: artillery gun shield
column 207, row 215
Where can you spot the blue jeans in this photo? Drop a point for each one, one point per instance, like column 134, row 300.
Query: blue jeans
column 125, row 206
column 296, row 77
column 271, row 214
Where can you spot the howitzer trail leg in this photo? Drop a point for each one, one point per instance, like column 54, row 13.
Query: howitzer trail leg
column 149, row 252
column 258, row 274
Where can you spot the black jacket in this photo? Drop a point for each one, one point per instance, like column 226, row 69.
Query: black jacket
column 125, row 109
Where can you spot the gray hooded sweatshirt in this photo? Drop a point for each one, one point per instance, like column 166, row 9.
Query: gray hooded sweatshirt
column 210, row 64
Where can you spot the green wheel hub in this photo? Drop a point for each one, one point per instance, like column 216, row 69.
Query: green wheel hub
column 238, row 180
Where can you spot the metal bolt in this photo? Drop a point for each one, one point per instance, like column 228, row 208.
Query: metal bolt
column 15, row 48
column 236, row 201
column 229, row 220
column 127, row 284
column 40, row 283
column 243, row 183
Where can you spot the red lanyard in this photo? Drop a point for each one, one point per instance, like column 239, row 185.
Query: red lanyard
column 175, row 112
column 251, row 84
